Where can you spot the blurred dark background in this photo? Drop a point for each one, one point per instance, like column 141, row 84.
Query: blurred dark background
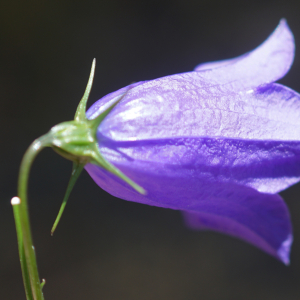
column 107, row 248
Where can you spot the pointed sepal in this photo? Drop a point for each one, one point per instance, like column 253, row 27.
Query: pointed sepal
column 76, row 171
column 81, row 108
column 102, row 162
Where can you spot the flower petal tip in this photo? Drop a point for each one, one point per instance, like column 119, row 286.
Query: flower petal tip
column 284, row 30
column 265, row 64
column 284, row 251
column 283, row 25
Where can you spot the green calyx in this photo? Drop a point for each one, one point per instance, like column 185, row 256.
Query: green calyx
column 76, row 140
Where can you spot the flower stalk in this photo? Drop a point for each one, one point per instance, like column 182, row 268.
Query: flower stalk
column 16, row 201
column 28, row 261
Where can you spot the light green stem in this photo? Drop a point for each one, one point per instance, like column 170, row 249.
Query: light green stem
column 26, row 248
column 25, row 274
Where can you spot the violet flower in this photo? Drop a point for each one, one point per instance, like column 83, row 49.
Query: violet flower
column 217, row 143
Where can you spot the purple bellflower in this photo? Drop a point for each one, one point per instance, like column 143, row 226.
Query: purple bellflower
column 217, row 143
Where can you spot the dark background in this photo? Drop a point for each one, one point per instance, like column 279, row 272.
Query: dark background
column 107, row 248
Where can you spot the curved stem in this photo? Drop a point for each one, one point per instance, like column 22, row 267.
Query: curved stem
column 30, row 265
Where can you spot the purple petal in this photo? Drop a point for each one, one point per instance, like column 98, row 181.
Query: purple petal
column 247, row 138
column 267, row 166
column 272, row 233
column 267, row 63
column 260, row 219
column 269, row 113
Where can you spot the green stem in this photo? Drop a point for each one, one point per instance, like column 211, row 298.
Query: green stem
column 29, row 267
column 26, row 279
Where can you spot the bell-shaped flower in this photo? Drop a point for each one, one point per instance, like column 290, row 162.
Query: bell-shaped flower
column 217, row 143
